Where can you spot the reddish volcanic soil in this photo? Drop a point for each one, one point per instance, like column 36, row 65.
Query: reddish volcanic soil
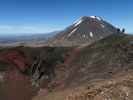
column 18, row 86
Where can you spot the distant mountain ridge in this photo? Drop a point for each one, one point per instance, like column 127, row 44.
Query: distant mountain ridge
column 30, row 38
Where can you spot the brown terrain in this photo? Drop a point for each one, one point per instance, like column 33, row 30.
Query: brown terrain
column 94, row 70
column 102, row 71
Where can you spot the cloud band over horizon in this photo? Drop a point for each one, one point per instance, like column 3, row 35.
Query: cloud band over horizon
column 27, row 29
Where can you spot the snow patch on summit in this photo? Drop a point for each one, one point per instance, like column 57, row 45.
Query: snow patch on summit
column 99, row 18
column 81, row 19
column 79, row 22
column 72, row 32
column 96, row 17
column 102, row 26
column 92, row 16
column 91, row 34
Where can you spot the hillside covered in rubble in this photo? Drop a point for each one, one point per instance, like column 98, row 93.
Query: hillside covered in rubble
column 59, row 73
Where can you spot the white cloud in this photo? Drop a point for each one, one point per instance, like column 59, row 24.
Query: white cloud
column 27, row 29
column 5, row 27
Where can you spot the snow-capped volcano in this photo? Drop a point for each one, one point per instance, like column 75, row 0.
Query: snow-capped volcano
column 81, row 19
column 86, row 29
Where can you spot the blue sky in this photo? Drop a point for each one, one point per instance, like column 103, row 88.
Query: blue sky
column 40, row 16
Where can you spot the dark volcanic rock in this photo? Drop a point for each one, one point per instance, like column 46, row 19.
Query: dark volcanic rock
column 86, row 29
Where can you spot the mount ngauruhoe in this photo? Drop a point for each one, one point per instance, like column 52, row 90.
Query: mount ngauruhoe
column 86, row 29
